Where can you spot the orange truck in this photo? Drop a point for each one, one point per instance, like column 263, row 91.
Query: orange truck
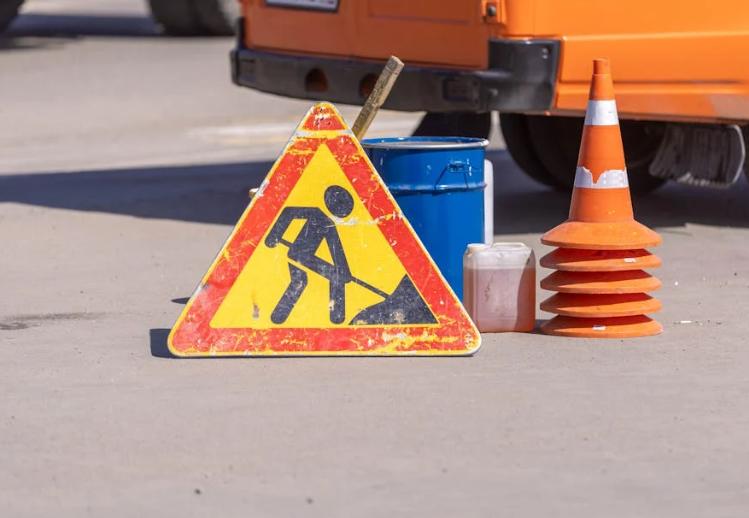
column 680, row 72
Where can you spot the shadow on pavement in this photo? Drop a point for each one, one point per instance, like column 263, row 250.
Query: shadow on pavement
column 200, row 193
column 522, row 206
column 39, row 31
column 79, row 25
column 217, row 194
column 159, row 347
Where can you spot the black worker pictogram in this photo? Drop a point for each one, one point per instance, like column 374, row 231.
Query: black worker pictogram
column 404, row 306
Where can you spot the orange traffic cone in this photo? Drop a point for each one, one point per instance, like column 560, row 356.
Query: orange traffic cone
column 601, row 252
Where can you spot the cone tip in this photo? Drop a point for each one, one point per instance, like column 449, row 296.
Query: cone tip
column 601, row 85
column 601, row 66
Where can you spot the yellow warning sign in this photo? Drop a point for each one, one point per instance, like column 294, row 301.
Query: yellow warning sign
column 362, row 253
column 323, row 262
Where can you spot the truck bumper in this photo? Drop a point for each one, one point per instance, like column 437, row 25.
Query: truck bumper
column 521, row 76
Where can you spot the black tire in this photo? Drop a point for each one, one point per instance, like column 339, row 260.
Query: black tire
column 8, row 11
column 557, row 143
column 196, row 17
column 217, row 17
column 745, row 131
column 455, row 124
column 517, row 138
column 176, row 17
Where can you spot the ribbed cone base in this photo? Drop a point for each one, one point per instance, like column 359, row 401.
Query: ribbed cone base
column 575, row 260
column 623, row 235
column 601, row 306
column 600, row 293
column 635, row 281
column 621, row 327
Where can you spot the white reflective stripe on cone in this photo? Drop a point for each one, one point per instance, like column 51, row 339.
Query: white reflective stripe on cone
column 611, row 179
column 601, row 113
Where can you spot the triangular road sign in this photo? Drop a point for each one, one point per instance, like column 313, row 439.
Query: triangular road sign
column 322, row 262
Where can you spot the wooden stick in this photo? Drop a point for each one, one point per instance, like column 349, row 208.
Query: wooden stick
column 377, row 98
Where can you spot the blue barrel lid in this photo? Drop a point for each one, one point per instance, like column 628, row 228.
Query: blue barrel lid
column 425, row 143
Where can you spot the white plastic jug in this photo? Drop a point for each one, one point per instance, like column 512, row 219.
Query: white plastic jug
column 488, row 202
column 499, row 287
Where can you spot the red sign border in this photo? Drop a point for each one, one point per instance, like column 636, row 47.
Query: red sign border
column 454, row 335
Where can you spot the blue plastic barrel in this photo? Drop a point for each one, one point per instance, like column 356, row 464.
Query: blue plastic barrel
column 438, row 183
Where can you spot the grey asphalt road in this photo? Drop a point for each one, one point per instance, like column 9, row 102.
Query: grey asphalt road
column 125, row 158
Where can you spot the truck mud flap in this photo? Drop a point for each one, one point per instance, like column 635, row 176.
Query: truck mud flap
column 706, row 155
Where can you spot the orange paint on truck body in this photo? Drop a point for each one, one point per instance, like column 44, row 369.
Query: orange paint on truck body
column 370, row 29
column 673, row 59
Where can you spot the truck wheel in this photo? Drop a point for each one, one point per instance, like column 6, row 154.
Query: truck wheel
column 557, row 143
column 8, row 10
column 745, row 131
column 455, row 124
column 217, row 17
column 517, row 138
column 195, row 17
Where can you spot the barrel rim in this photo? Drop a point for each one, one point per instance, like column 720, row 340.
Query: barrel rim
column 432, row 143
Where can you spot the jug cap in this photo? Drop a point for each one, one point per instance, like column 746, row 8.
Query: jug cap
column 501, row 255
column 510, row 245
column 476, row 247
